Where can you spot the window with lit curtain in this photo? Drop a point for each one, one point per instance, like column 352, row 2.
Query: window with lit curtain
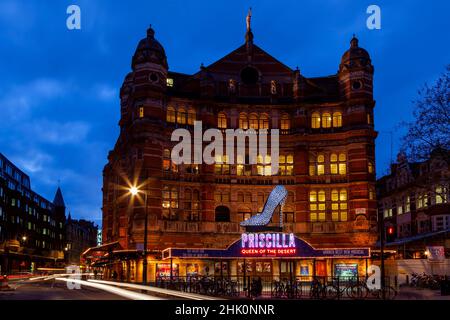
column 192, row 204
column 264, row 167
column 263, row 122
column 191, row 116
column 253, row 121
column 315, row 120
column 285, row 122
column 168, row 165
column 338, row 163
column 222, row 121
column 222, row 165
column 370, row 167
column 317, row 205
column 181, row 116
column 169, row 202
column 170, row 115
column 337, row 119
column 326, row 120
column 339, row 205
column 141, row 112
column 286, row 165
column 320, row 164
column 243, row 121
column 440, row 195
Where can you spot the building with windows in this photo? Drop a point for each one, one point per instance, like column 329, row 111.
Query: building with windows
column 32, row 232
column 414, row 201
column 80, row 235
column 326, row 161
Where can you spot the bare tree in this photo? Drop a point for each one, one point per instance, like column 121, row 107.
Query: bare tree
column 430, row 130
column 428, row 135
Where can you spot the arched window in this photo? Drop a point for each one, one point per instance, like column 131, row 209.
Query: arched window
column 326, row 120
column 338, row 164
column 240, row 197
column 191, row 116
column 141, row 112
column 243, row 121
column 248, row 197
column 222, row 214
column 181, row 116
column 253, row 123
column 317, row 205
column 370, row 167
column 285, row 122
column 264, row 122
column 320, row 165
column 170, row 115
column 315, row 120
column 337, row 119
column 222, row 121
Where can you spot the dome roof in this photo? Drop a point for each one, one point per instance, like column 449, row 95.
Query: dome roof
column 355, row 56
column 149, row 50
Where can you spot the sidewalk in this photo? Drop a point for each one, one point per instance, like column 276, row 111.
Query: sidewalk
column 408, row 293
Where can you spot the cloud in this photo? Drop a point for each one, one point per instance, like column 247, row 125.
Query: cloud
column 17, row 101
column 105, row 92
column 58, row 133
column 34, row 161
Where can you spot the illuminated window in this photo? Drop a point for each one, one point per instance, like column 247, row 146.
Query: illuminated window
column 168, row 165
column 337, row 119
column 169, row 202
column 191, row 116
column 338, row 164
column 326, row 120
column 253, row 123
column 264, row 167
column 141, row 112
column 285, row 122
column 286, row 165
column 369, row 119
column 244, row 213
column 370, row 167
column 339, row 205
column 372, row 193
column 222, row 121
column 243, row 121
column 221, row 166
column 263, row 121
column 170, row 114
column 181, row 116
column 169, row 82
column 317, row 205
column 440, row 195
column 320, row 164
column 315, row 120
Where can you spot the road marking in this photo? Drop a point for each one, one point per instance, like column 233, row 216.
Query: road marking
column 111, row 289
column 191, row 296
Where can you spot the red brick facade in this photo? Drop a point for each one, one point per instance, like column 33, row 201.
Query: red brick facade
column 183, row 201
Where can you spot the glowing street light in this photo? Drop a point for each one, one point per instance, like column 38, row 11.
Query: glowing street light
column 24, row 238
column 134, row 191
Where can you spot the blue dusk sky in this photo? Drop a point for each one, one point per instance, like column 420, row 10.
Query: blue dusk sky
column 59, row 89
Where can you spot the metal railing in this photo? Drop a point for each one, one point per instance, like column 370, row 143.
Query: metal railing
column 308, row 287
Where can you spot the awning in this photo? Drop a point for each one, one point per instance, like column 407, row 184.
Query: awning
column 103, row 248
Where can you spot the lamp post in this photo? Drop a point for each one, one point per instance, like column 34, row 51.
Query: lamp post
column 134, row 191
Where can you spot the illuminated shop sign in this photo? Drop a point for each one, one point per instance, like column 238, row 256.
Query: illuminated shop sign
column 268, row 244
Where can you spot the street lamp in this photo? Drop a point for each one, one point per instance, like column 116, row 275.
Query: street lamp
column 134, row 191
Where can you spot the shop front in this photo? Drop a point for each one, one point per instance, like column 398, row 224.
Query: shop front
column 267, row 255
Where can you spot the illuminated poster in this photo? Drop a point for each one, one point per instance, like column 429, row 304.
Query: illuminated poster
column 192, row 269
column 163, row 270
column 346, row 270
column 304, row 270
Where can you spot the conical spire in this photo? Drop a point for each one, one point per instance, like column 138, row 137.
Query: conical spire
column 249, row 33
column 59, row 200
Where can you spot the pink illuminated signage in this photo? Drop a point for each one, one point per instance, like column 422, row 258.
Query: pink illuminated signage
column 268, row 244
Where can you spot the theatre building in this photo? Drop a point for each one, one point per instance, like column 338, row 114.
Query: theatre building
column 326, row 164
